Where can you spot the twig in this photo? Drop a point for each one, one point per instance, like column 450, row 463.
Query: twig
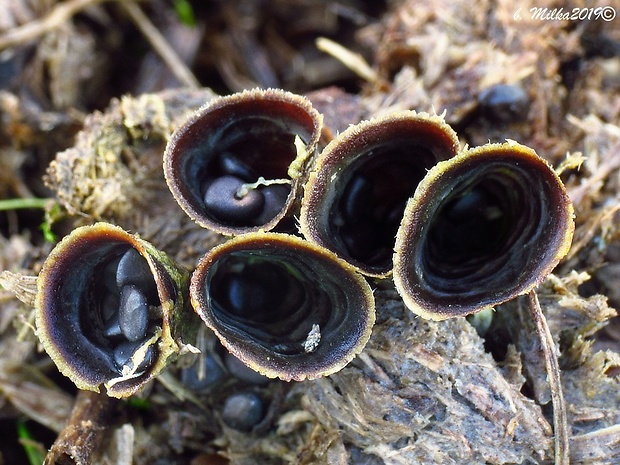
column 354, row 61
column 78, row 443
column 161, row 45
column 560, row 424
column 34, row 29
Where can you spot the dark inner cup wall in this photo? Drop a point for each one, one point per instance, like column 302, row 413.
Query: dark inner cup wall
column 247, row 149
column 75, row 331
column 484, row 232
column 70, row 310
column 79, row 319
column 266, row 146
column 212, row 160
column 365, row 216
column 270, row 301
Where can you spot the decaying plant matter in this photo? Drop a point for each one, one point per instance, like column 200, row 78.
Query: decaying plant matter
column 458, row 391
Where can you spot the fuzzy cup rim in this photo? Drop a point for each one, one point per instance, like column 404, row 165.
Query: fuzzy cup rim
column 415, row 218
column 173, row 171
column 320, row 178
column 166, row 345
column 259, row 360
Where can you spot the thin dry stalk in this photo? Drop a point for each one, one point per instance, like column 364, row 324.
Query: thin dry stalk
column 354, row 61
column 21, row 286
column 34, row 29
column 161, row 45
column 560, row 424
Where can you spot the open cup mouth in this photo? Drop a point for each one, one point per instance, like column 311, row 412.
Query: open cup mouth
column 482, row 228
column 358, row 188
column 284, row 307
column 235, row 166
column 107, row 309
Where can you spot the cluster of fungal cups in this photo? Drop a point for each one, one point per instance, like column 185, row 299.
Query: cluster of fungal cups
column 312, row 221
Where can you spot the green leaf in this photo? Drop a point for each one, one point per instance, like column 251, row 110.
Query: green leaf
column 20, row 204
column 185, row 12
column 34, row 450
column 52, row 214
column 139, row 403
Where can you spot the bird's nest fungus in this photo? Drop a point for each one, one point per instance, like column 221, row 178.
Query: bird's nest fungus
column 461, row 390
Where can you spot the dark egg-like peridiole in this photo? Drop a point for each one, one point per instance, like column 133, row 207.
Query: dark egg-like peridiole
column 482, row 228
column 357, row 190
column 283, row 306
column 236, row 165
column 110, row 309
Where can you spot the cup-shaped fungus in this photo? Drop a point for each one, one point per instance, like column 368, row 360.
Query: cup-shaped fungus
column 357, row 190
column 283, row 306
column 482, row 228
column 110, row 309
column 235, row 166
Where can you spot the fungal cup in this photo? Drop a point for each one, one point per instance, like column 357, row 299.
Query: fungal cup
column 284, row 307
column 235, row 166
column 110, row 309
column 482, row 228
column 473, row 229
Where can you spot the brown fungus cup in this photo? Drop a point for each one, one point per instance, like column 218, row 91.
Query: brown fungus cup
column 285, row 307
column 236, row 165
column 111, row 309
column 356, row 192
column 482, row 228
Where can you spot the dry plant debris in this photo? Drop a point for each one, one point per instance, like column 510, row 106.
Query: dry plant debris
column 421, row 392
